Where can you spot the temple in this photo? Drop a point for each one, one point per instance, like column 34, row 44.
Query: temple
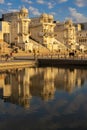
column 41, row 33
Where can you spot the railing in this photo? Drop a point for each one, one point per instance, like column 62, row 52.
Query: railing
column 58, row 56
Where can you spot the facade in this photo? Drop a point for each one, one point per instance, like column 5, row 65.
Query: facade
column 77, row 27
column 83, row 26
column 1, row 36
column 65, row 33
column 58, row 31
column 4, row 35
column 82, row 39
column 42, row 31
column 19, row 28
column 5, row 30
column 33, row 33
column 81, row 35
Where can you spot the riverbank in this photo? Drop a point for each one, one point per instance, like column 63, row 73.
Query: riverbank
column 16, row 64
column 20, row 62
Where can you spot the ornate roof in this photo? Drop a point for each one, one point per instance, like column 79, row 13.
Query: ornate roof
column 24, row 10
column 44, row 15
column 50, row 16
column 69, row 21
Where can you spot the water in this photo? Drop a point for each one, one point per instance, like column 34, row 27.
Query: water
column 43, row 99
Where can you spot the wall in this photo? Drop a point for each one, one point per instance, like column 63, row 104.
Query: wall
column 35, row 33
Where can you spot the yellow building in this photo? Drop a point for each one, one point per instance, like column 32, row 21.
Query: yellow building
column 81, row 35
column 42, row 31
column 19, row 28
column 1, row 36
column 36, row 33
column 82, row 39
column 66, row 34
column 5, row 31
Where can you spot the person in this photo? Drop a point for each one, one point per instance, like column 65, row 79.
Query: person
column 11, row 54
column 7, row 56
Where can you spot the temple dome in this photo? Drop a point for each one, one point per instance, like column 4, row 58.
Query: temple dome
column 44, row 15
column 69, row 21
column 24, row 10
column 50, row 16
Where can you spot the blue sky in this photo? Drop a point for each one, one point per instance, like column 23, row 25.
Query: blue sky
column 61, row 9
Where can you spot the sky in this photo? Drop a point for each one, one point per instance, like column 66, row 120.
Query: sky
column 60, row 9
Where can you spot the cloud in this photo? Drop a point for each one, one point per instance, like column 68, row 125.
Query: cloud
column 62, row 1
column 2, row 1
column 40, row 1
column 76, row 16
column 13, row 10
column 81, row 3
column 53, row 13
column 34, row 11
column 50, row 5
column 27, row 1
column 1, row 12
column 9, row 4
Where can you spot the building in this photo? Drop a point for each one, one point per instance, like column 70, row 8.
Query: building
column 82, row 39
column 66, row 34
column 81, row 36
column 5, row 30
column 1, row 36
column 4, row 35
column 19, row 28
column 42, row 31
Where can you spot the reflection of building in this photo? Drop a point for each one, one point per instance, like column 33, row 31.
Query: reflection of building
column 15, row 85
column 49, row 88
column 18, row 86
column 45, row 87
column 5, row 86
column 22, row 88
column 68, row 80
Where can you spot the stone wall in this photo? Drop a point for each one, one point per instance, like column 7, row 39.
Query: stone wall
column 35, row 33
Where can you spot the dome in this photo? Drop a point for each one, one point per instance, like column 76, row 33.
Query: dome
column 44, row 15
column 24, row 10
column 69, row 21
column 50, row 16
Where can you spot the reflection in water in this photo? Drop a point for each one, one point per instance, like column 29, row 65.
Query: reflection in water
column 19, row 86
column 68, row 80
column 54, row 98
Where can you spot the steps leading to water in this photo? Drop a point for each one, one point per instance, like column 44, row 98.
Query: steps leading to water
column 16, row 64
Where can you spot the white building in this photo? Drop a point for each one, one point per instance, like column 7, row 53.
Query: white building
column 19, row 28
